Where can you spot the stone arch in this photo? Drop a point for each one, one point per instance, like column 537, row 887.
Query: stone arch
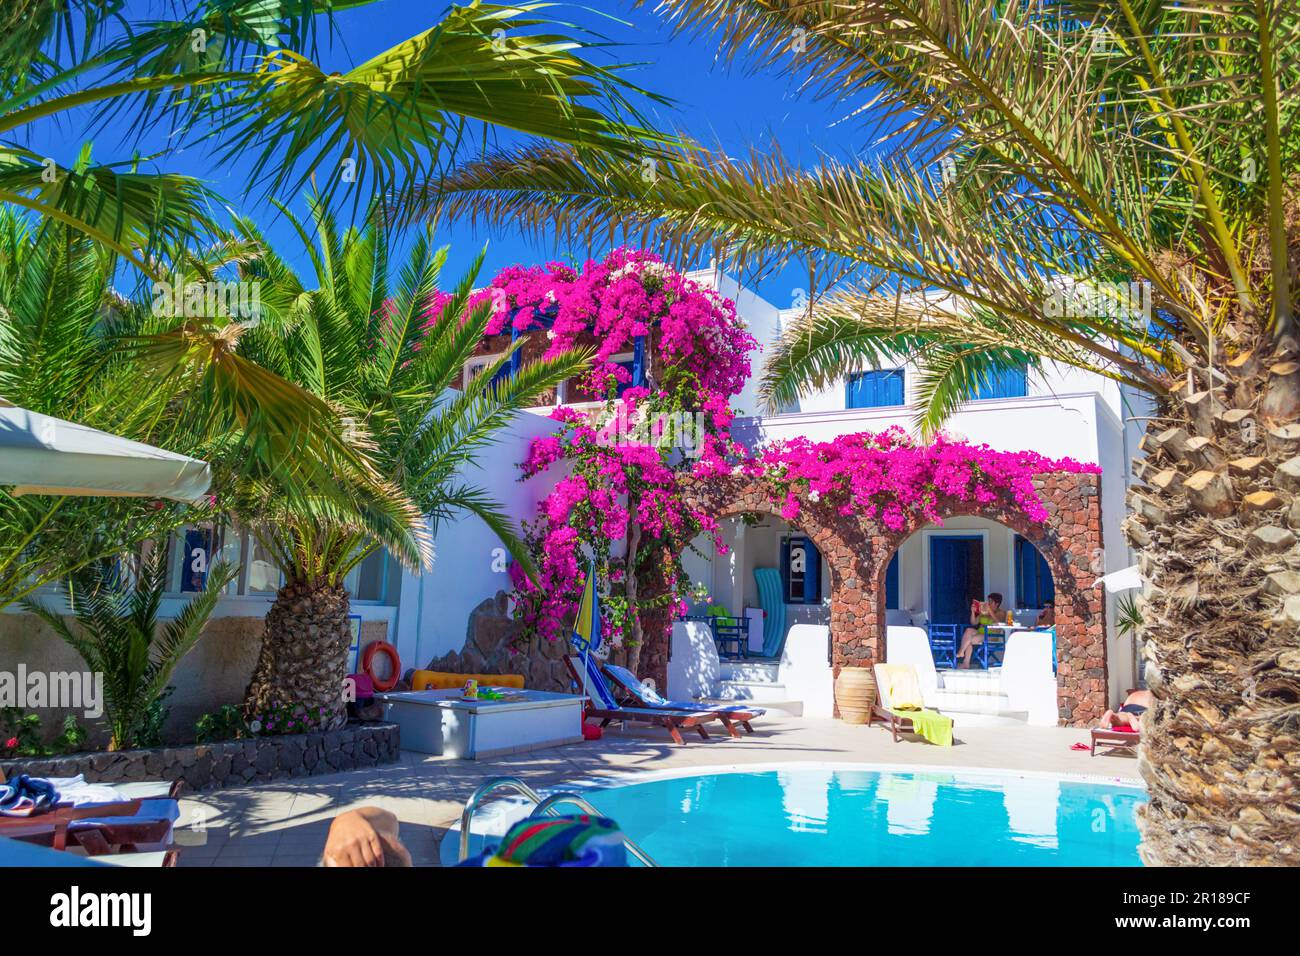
column 845, row 542
column 1070, row 541
column 858, row 554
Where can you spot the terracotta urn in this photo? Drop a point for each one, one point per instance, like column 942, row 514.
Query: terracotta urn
column 855, row 692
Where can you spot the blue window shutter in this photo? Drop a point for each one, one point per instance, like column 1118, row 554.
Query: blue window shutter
column 1034, row 584
column 511, row 368
column 1046, row 586
column 1008, row 383
column 876, row 389
column 638, row 361
column 785, row 569
column 808, row 591
column 812, row 579
column 517, row 359
column 891, row 584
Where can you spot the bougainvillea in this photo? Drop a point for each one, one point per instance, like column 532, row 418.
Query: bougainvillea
column 625, row 490
column 889, row 477
column 627, row 456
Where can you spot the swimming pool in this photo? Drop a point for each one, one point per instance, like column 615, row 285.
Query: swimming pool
column 824, row 816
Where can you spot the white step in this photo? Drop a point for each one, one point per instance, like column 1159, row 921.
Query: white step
column 971, row 682
column 749, row 671
column 951, row 703
column 751, row 690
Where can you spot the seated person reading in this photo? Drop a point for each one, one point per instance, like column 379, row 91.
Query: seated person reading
column 982, row 613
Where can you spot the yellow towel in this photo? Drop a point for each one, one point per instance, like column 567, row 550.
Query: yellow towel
column 932, row 726
column 902, row 688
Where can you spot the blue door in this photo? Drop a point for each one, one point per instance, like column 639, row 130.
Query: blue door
column 956, row 577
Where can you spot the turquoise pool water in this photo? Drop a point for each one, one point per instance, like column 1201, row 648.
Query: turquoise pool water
column 827, row 817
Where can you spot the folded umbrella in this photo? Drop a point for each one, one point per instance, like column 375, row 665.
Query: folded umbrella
column 42, row 455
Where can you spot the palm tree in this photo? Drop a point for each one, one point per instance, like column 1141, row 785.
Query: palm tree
column 238, row 75
column 73, row 347
column 63, row 332
column 119, row 636
column 384, row 350
column 1037, row 161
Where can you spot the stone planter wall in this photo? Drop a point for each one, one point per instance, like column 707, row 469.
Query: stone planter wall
column 230, row 763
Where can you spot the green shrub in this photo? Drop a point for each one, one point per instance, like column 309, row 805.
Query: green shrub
column 118, row 633
column 226, row 723
column 20, row 735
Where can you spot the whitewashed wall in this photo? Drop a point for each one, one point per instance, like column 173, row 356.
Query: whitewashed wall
column 469, row 563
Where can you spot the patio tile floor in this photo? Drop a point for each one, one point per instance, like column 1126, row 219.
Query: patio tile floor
column 284, row 823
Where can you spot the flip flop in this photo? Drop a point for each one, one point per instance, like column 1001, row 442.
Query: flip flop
column 1079, row 747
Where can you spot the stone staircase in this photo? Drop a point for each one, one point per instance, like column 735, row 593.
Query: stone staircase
column 756, row 682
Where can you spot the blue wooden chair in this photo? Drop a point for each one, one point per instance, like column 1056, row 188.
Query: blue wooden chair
column 993, row 649
column 943, row 643
column 731, row 635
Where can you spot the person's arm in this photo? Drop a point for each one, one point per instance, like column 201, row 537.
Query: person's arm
column 364, row 837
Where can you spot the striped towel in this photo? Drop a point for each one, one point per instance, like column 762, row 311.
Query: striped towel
column 558, row 841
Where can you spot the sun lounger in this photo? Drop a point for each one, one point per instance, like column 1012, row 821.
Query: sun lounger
column 928, row 723
column 141, row 818
column 1116, row 738
column 1112, row 739
column 149, row 828
column 51, row 828
column 641, row 696
column 606, row 709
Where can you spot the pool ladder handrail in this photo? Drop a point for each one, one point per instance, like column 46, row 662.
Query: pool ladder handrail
column 545, row 805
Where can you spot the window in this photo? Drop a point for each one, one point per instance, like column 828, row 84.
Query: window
column 575, row 393
column 801, row 571
column 1034, row 585
column 1008, row 383
column 891, row 584
column 474, row 367
column 370, row 580
column 263, row 574
column 878, row 389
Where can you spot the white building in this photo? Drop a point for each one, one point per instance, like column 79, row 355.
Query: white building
column 939, row 570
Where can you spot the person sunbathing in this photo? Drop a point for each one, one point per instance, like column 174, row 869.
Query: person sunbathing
column 1130, row 712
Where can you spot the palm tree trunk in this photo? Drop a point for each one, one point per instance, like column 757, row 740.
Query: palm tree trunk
column 303, row 660
column 1214, row 524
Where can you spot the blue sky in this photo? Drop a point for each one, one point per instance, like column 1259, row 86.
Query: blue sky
column 713, row 103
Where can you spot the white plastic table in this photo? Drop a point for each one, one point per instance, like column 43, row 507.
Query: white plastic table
column 440, row 722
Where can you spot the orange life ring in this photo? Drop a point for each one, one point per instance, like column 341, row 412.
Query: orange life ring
column 394, row 664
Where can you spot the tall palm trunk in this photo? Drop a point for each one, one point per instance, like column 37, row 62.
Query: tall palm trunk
column 1215, row 527
column 303, row 660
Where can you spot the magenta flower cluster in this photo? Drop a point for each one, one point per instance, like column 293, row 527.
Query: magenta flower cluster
column 696, row 334
column 888, row 477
